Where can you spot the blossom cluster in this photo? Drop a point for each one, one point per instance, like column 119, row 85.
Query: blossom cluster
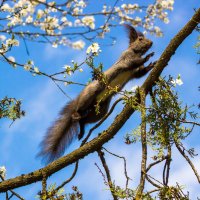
column 158, row 10
column 127, row 13
column 49, row 21
column 45, row 17
column 7, row 43
column 69, row 70
column 53, row 19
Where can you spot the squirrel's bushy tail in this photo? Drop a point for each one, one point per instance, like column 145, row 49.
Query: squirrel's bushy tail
column 60, row 134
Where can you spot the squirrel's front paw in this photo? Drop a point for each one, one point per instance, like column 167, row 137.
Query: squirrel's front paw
column 151, row 66
column 149, row 56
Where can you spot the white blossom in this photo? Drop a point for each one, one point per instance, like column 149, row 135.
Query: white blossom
column 63, row 19
column 6, row 7
column 11, row 58
column 36, row 70
column 78, row 22
column 124, row 6
column 27, row 67
column 94, row 48
column 166, row 20
column 14, row 21
column 55, row 45
column 134, row 88
column 81, row 3
column 178, row 81
column 40, row 13
column 173, row 82
column 67, row 67
column 164, row 4
column 104, row 9
column 78, row 44
column 29, row 19
column 12, row 42
column 43, row 1
column 69, row 73
column 138, row 19
column 158, row 31
column 89, row 21
column 80, row 70
column 2, row 37
column 77, row 11
column 3, row 171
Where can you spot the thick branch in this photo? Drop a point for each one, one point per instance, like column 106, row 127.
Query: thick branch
column 119, row 121
column 171, row 49
column 144, row 147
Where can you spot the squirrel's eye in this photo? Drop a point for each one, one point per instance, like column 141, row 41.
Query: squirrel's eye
column 140, row 38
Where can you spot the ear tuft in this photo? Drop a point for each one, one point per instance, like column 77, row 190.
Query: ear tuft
column 140, row 34
column 133, row 35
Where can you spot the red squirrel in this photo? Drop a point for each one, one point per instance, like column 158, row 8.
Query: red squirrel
column 81, row 111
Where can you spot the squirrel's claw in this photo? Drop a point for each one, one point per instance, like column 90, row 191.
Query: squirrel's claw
column 148, row 56
column 151, row 65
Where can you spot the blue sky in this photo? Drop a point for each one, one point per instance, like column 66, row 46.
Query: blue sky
column 42, row 101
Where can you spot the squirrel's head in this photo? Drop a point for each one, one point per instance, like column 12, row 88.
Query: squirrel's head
column 137, row 41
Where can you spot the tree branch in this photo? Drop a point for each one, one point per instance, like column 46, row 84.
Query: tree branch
column 110, row 183
column 119, row 121
column 188, row 160
column 125, row 168
column 144, row 147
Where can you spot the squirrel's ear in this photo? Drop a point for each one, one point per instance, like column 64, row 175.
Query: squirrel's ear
column 132, row 33
column 140, row 34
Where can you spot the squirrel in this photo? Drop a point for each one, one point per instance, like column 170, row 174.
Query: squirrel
column 81, row 111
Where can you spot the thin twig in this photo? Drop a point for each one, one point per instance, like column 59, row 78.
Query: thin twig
column 155, row 163
column 11, row 196
column 7, row 198
column 189, row 122
column 169, row 159
column 163, row 174
column 188, row 160
column 149, row 177
column 109, row 180
column 152, row 191
column 152, row 182
column 62, row 90
column 104, row 177
column 125, row 168
column 68, row 180
column 65, row 182
column 166, row 169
